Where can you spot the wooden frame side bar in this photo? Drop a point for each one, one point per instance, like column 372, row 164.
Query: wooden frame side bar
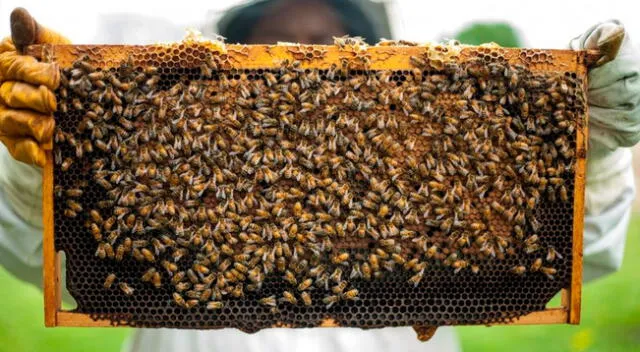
column 575, row 293
column 51, row 260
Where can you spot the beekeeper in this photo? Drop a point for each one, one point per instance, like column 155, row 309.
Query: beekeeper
column 26, row 124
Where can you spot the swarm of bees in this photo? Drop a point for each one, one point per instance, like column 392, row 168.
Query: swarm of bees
column 216, row 183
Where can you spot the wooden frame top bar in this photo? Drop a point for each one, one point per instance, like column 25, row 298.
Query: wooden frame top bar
column 319, row 56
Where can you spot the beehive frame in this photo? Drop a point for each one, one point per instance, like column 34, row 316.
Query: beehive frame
column 382, row 57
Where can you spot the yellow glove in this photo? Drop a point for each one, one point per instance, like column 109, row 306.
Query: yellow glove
column 27, row 101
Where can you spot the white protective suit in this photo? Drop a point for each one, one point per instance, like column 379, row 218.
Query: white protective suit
column 614, row 98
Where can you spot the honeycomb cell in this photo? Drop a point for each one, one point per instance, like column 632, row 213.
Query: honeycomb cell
column 533, row 57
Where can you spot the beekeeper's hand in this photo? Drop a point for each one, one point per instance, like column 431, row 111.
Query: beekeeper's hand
column 27, row 101
column 614, row 87
column 614, row 125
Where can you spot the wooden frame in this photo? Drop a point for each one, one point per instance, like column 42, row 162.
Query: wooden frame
column 380, row 57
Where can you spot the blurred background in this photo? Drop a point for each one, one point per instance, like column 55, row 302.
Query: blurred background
column 611, row 306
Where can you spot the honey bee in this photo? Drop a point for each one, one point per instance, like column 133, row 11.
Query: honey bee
column 288, row 297
column 563, row 193
column 205, row 71
column 416, row 278
column 340, row 258
column 418, row 62
column 179, row 300
column 398, row 259
column 524, row 109
column 537, row 264
column 463, row 240
column 331, row 300
column 96, row 217
column 475, row 269
column 137, row 255
column 459, row 265
column 95, row 231
column 191, row 275
column 498, row 207
column 548, row 272
column 337, row 289
column 306, row 298
column 304, row 285
column 381, row 253
column 531, row 244
column 519, row 269
column 126, row 289
column 109, row 250
column 432, row 251
column 201, row 269
column 100, row 251
column 156, row 280
column 182, row 286
column 206, row 294
column 270, row 79
column 269, row 301
column 351, row 295
column 104, row 184
column 108, row 282
column 290, row 277
column 317, row 270
column 73, row 192
column 148, row 255
column 215, row 305
column 146, row 277
column 238, row 291
column 552, row 254
column 518, row 232
column 119, row 253
column 74, row 206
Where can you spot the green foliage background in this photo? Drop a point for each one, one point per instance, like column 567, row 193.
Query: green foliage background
column 500, row 33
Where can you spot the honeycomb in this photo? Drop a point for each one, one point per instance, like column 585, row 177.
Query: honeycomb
column 194, row 192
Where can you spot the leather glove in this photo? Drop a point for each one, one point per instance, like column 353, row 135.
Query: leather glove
column 27, row 101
